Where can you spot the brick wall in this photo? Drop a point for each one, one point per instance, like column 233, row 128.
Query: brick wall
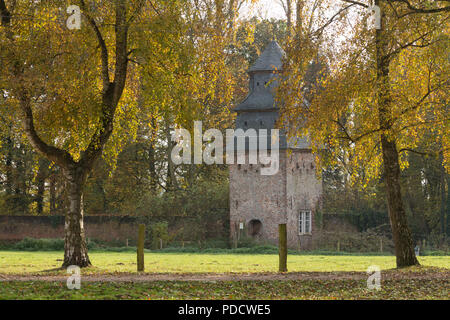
column 276, row 199
column 106, row 228
column 119, row 228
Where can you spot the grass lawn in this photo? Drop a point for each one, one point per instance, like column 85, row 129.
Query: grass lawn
column 229, row 290
column 36, row 265
column 37, row 281
column 12, row 262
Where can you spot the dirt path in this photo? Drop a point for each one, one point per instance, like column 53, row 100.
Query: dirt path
column 129, row 277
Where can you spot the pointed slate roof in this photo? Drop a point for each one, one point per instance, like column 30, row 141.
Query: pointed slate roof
column 270, row 59
column 261, row 101
column 259, row 109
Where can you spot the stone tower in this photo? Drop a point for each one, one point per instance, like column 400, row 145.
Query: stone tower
column 259, row 203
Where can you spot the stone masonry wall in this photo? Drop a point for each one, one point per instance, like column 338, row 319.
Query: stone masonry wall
column 99, row 227
column 275, row 199
column 105, row 228
column 257, row 197
column 304, row 192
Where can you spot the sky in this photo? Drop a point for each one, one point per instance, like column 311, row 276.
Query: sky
column 264, row 9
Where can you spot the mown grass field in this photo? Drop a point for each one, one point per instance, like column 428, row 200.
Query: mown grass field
column 29, row 276
column 12, row 262
column 229, row 290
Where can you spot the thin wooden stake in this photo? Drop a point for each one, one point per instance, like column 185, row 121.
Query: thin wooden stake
column 140, row 248
column 282, row 247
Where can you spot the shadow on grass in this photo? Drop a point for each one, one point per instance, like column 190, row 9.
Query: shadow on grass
column 53, row 270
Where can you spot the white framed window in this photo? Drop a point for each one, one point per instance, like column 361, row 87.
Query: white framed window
column 304, row 222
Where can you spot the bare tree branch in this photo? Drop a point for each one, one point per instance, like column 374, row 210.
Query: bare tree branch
column 357, row 3
column 111, row 96
column 59, row 156
column 103, row 48
column 319, row 31
column 415, row 10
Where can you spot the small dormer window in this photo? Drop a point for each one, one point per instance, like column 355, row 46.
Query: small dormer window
column 257, row 83
column 245, row 123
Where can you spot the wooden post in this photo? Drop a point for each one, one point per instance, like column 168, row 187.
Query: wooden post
column 339, row 246
column 282, row 247
column 126, row 242
column 160, row 243
column 381, row 245
column 140, row 248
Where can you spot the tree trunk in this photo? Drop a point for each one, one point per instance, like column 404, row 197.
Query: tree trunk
column 404, row 246
column 52, row 192
column 40, row 182
column 40, row 196
column 75, row 247
column 152, row 167
column 152, row 155
column 9, row 160
column 443, row 195
column 447, row 217
column 171, row 181
column 289, row 17
column 299, row 23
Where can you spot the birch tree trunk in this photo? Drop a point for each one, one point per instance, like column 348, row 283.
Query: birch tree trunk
column 75, row 246
column 404, row 247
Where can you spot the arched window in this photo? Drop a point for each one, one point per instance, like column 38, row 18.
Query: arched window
column 254, row 228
